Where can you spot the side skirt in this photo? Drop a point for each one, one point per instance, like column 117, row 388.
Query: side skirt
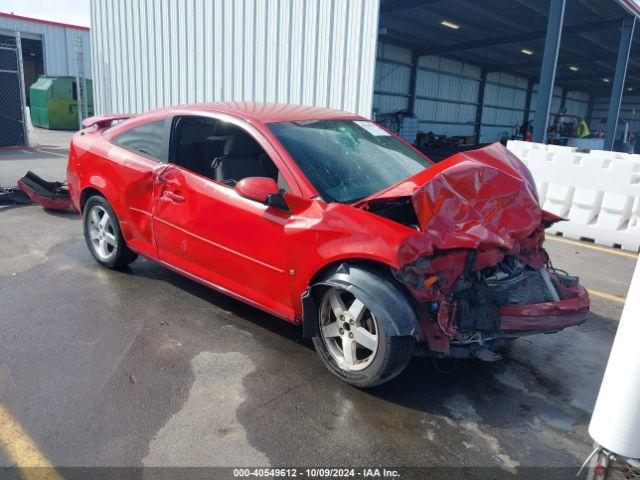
column 216, row 287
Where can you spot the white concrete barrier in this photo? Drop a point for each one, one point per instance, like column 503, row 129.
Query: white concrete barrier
column 598, row 192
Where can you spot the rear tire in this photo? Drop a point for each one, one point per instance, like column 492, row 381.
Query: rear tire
column 354, row 345
column 103, row 236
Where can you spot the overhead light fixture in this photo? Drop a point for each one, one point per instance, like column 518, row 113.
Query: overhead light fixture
column 451, row 25
column 526, row 51
column 606, row 80
column 573, row 68
column 630, row 89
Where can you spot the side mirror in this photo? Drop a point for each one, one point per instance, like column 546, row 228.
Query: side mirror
column 262, row 189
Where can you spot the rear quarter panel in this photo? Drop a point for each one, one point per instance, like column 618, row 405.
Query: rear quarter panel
column 123, row 178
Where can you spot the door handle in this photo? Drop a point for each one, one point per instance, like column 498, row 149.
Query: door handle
column 174, row 197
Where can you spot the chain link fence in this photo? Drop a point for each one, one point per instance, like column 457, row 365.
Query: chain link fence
column 12, row 121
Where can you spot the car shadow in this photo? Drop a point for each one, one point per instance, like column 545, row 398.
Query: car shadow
column 55, row 213
column 69, row 213
column 148, row 269
column 425, row 381
column 519, row 405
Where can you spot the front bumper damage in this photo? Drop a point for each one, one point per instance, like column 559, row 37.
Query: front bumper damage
column 463, row 310
column 546, row 317
column 474, row 313
column 478, row 269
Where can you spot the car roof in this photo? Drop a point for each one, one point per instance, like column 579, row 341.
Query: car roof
column 269, row 112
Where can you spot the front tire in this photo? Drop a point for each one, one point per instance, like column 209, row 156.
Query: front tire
column 354, row 345
column 103, row 236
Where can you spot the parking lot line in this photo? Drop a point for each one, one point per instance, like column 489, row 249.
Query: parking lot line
column 50, row 153
column 23, row 451
column 593, row 247
column 606, row 296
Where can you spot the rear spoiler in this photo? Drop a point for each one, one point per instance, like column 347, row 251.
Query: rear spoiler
column 103, row 121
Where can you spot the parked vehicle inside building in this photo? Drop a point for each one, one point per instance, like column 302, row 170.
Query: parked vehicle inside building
column 328, row 221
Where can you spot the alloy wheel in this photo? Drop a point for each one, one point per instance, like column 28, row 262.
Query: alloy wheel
column 101, row 233
column 348, row 329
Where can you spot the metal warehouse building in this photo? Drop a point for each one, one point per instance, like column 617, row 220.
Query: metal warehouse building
column 477, row 70
column 48, row 48
column 29, row 48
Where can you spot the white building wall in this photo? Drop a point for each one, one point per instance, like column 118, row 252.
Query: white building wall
column 57, row 44
column 153, row 53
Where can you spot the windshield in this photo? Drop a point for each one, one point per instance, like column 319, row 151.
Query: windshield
column 348, row 160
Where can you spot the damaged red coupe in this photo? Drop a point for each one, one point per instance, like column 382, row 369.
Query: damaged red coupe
column 328, row 221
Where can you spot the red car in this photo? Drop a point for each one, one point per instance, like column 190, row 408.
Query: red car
column 329, row 221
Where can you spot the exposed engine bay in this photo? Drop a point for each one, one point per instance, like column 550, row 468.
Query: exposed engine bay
column 478, row 305
column 400, row 211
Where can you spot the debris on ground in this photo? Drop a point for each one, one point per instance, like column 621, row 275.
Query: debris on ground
column 51, row 195
column 13, row 196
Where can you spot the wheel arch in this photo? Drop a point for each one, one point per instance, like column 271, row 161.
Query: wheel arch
column 369, row 280
column 378, row 266
column 86, row 194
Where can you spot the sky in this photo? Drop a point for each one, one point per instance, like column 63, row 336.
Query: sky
column 75, row 12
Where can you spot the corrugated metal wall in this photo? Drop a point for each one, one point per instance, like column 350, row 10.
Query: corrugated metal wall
column 57, row 45
column 447, row 95
column 152, row 53
column 577, row 103
column 446, row 91
column 629, row 112
column 504, row 105
column 393, row 71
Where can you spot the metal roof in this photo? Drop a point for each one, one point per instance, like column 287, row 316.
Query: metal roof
column 41, row 21
column 493, row 33
column 633, row 6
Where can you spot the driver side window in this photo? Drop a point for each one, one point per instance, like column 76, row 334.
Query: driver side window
column 220, row 151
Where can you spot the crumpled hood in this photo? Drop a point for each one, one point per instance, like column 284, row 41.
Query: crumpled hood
column 483, row 198
column 479, row 199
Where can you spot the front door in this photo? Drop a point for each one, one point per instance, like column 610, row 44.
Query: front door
column 203, row 227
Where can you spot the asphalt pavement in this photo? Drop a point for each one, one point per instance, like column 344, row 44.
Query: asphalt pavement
column 143, row 367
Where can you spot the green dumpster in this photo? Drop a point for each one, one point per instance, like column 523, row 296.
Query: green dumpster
column 54, row 103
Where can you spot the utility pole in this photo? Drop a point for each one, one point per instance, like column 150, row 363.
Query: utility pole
column 23, row 97
column 81, row 85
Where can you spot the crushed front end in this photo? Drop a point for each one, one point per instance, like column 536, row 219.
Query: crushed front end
column 476, row 265
column 473, row 302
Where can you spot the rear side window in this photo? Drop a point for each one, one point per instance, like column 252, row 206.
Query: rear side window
column 147, row 140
